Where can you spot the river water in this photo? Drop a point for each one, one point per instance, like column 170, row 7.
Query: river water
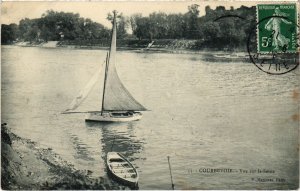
column 201, row 114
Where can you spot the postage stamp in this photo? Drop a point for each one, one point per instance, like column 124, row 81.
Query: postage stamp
column 273, row 44
column 277, row 29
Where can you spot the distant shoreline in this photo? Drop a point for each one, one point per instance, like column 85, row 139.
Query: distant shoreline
column 132, row 44
column 171, row 47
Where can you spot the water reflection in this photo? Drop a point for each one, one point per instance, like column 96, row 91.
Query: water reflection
column 119, row 137
column 81, row 149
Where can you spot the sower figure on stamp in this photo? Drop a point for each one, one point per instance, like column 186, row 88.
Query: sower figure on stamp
column 274, row 25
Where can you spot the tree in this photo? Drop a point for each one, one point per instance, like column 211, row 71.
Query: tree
column 133, row 21
column 175, row 23
column 212, row 32
column 142, row 29
column 60, row 26
column 158, row 25
column 9, row 33
column 24, row 27
column 122, row 24
column 191, row 19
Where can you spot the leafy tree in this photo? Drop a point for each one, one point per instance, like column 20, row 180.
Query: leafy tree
column 176, row 26
column 158, row 25
column 122, row 24
column 212, row 32
column 60, row 26
column 142, row 29
column 191, row 18
column 9, row 33
column 133, row 21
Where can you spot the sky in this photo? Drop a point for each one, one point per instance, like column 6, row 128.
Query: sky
column 14, row 11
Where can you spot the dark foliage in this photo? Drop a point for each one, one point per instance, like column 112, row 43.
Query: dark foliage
column 54, row 26
column 218, row 28
column 9, row 33
column 225, row 29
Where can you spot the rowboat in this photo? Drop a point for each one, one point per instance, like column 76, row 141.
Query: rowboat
column 121, row 169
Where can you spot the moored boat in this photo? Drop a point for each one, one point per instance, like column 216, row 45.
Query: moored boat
column 121, row 169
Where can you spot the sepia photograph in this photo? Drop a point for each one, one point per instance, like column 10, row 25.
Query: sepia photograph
column 150, row 95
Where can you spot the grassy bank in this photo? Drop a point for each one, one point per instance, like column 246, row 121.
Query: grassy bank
column 26, row 166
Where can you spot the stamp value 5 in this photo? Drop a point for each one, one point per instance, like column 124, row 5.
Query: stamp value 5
column 277, row 28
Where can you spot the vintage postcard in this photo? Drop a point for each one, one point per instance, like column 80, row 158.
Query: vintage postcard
column 150, row 95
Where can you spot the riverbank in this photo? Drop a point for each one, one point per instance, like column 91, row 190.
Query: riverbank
column 26, row 166
column 146, row 46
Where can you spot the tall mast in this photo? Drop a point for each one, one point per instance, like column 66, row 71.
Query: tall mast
column 105, row 76
column 107, row 60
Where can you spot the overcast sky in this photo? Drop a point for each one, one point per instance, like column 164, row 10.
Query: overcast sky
column 13, row 12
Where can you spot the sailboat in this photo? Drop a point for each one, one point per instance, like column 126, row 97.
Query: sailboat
column 118, row 105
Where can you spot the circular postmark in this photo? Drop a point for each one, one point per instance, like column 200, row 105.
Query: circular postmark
column 273, row 52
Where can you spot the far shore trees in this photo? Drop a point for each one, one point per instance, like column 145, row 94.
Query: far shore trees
column 207, row 30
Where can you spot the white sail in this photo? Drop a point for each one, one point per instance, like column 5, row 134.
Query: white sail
column 84, row 92
column 116, row 96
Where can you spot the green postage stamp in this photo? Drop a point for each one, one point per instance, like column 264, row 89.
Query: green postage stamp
column 277, row 28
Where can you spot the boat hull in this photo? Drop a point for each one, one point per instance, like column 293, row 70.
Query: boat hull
column 132, row 185
column 118, row 170
column 114, row 116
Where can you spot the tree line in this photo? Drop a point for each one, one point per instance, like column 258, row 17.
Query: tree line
column 54, row 26
column 219, row 27
column 212, row 29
